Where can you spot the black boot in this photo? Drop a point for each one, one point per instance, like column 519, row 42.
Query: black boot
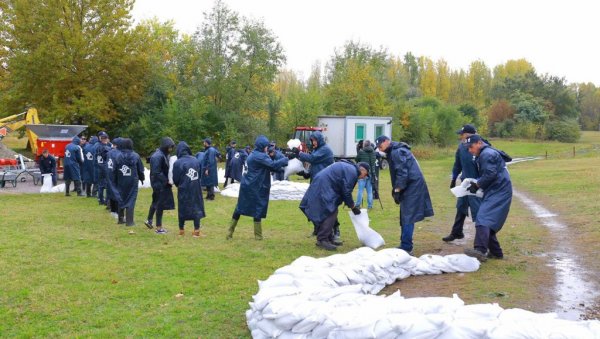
column 67, row 188
column 78, row 188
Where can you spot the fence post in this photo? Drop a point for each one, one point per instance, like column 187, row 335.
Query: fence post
column 546, row 155
column 573, row 151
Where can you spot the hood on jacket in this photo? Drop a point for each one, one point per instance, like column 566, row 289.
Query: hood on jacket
column 318, row 136
column 261, row 142
column 94, row 140
column 183, row 149
column 118, row 142
column 76, row 140
column 165, row 144
column 126, row 144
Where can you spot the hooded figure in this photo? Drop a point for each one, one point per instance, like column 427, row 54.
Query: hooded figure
column 162, row 195
column 255, row 187
column 72, row 162
column 209, row 168
column 128, row 171
column 186, row 176
column 330, row 188
column 88, row 174
column 229, row 154
column 409, row 189
column 276, row 154
column 321, row 156
column 101, row 150
column 111, row 179
column 237, row 165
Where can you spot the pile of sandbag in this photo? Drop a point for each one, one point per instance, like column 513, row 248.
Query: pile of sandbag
column 333, row 297
column 280, row 190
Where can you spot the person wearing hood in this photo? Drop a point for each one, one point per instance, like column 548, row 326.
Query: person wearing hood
column 209, row 167
column 88, row 174
column 409, row 188
column 255, row 187
column 128, row 171
column 276, row 154
column 366, row 154
column 111, row 177
column 162, row 193
column 495, row 182
column 329, row 189
column 72, row 166
column 186, row 176
column 238, row 163
column 230, row 152
column 101, row 152
column 465, row 167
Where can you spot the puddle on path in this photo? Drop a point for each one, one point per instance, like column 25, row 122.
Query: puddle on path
column 573, row 290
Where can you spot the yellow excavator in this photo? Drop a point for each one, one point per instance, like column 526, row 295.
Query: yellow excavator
column 16, row 121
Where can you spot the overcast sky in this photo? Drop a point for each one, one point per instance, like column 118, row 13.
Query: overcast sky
column 558, row 37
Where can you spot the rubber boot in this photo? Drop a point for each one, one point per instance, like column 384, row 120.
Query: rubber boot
column 232, row 226
column 78, row 188
column 258, row 230
column 67, row 187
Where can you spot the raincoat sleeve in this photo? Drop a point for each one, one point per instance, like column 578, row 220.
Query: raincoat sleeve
column 400, row 162
column 140, row 170
column 488, row 168
column 348, row 187
column 177, row 173
column 315, row 157
column 156, row 169
column 457, row 168
column 272, row 165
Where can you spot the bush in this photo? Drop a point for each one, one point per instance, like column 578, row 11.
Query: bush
column 563, row 130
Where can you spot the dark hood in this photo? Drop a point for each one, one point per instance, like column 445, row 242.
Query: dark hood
column 396, row 145
column 368, row 149
column 261, row 142
column 118, row 142
column 319, row 137
column 165, row 144
column 126, row 144
column 93, row 140
column 183, row 149
column 76, row 140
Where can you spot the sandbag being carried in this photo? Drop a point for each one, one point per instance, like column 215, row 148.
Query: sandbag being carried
column 294, row 166
column 366, row 235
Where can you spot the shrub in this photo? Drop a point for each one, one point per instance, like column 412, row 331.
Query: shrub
column 563, row 130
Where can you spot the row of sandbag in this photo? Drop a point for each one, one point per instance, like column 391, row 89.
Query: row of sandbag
column 48, row 188
column 280, row 190
column 333, row 297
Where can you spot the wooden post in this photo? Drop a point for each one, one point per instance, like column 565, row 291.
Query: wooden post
column 546, row 155
column 573, row 151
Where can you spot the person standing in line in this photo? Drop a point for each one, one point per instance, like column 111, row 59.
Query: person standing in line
column 495, row 182
column 162, row 193
column 111, row 177
column 128, row 171
column 253, row 200
column 72, row 166
column 329, row 189
column 409, row 188
column 209, row 177
column 186, row 176
column 47, row 165
column 101, row 152
column 465, row 166
column 89, row 167
column 367, row 155
column 230, row 152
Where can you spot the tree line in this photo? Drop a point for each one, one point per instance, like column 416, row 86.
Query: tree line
column 86, row 62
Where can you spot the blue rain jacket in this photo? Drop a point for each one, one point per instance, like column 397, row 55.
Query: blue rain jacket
column 229, row 154
column 330, row 188
column 128, row 171
column 186, row 176
column 465, row 166
column 73, row 160
column 415, row 203
column 209, row 162
column 111, row 168
column 162, row 194
column 237, row 164
column 255, row 186
column 320, row 157
column 88, row 173
column 101, row 151
column 495, row 182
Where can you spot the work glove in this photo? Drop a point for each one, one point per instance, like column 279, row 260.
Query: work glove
column 291, row 155
column 356, row 210
column 396, row 196
column 473, row 187
column 452, row 183
column 296, row 151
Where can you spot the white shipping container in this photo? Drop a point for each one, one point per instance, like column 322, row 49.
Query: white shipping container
column 342, row 133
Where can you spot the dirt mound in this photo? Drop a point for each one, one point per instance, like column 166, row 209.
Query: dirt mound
column 6, row 152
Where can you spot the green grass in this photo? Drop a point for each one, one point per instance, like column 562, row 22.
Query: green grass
column 69, row 271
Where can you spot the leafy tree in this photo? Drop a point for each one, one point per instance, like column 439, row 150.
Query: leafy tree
column 443, row 80
column 478, row 83
column 500, row 111
column 589, row 104
column 563, row 130
column 427, row 77
column 74, row 59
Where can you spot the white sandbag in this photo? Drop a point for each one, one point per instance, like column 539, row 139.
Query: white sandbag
column 58, row 188
column 221, row 175
column 294, row 166
column 468, row 328
column 47, row 185
column 280, row 190
column 366, row 235
column 172, row 160
column 146, row 183
column 462, row 189
column 294, row 143
column 462, row 262
column 478, row 311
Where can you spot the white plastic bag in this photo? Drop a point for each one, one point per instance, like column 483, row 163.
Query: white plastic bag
column 462, row 189
column 294, row 143
column 366, row 235
column 47, row 185
column 172, row 160
column 294, row 166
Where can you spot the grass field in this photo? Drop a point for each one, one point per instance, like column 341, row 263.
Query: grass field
column 69, row 271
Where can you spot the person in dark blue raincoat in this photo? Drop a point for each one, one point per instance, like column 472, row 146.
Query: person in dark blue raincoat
column 255, row 187
column 47, row 165
column 89, row 168
column 162, row 193
column 466, row 168
column 72, row 166
column 330, row 188
column 238, row 163
column 495, row 182
column 230, row 152
column 128, row 171
column 111, row 179
column 209, row 167
column 186, row 176
column 101, row 151
column 276, row 154
column 409, row 188
column 320, row 157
